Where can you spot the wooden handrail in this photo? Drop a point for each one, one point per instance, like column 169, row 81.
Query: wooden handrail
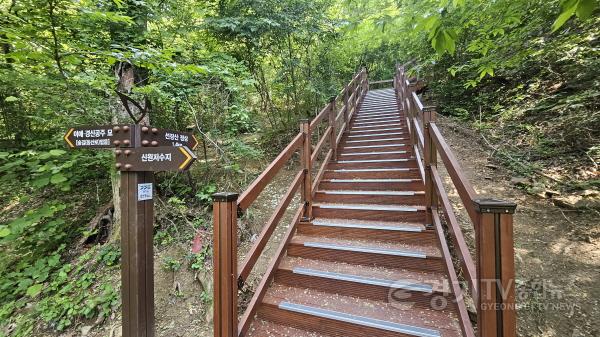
column 248, row 197
column 267, row 230
column 466, row 326
column 463, row 187
column 225, row 257
column 454, row 228
column 492, row 278
column 261, row 290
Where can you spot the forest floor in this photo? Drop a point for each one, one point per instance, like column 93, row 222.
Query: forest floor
column 557, row 250
column 557, row 257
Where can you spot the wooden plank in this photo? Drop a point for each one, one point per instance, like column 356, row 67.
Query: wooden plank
column 333, row 122
column 305, row 155
column 225, row 264
column 465, row 321
column 419, row 161
column 486, row 270
column 507, row 258
column 252, row 192
column 417, row 101
column 261, row 289
column 267, row 230
column 137, row 246
column 464, row 254
column 465, row 190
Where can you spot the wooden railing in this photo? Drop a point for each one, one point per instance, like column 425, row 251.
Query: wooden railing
column 228, row 277
column 491, row 274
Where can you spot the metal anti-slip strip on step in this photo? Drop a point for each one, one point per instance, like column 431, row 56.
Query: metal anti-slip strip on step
column 355, row 225
column 378, row 134
column 372, row 153
column 373, row 146
column 377, row 130
column 375, row 124
column 371, row 161
column 425, row 288
column 382, row 180
column 401, row 169
column 383, row 193
column 359, row 320
column 369, row 250
column 386, row 122
column 371, row 207
column 376, row 140
column 387, row 112
column 381, row 111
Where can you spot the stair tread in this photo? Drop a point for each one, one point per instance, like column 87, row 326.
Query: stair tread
column 365, row 192
column 444, row 321
column 370, row 224
column 434, row 280
column 384, row 247
column 262, row 328
column 375, row 207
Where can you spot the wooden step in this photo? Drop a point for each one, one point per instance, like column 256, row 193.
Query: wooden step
column 371, row 142
column 262, row 328
column 406, row 173
column 376, row 119
column 376, row 283
column 368, row 115
column 377, row 125
column 367, row 252
column 373, row 197
column 378, row 135
column 372, row 184
column 370, row 212
column 340, row 315
column 380, row 130
column 368, row 164
column 393, row 154
column 383, row 230
column 392, row 146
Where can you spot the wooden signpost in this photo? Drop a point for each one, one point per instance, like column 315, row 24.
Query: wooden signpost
column 140, row 151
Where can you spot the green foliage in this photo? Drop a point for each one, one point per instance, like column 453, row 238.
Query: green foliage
column 582, row 8
column 171, row 264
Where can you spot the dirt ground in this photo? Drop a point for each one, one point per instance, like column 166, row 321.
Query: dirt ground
column 557, row 250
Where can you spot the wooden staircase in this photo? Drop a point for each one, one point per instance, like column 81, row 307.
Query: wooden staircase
column 366, row 265
column 367, row 253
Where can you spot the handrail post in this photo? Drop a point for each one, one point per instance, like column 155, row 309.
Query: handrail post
column 333, row 134
column 410, row 113
column 496, row 314
column 347, row 108
column 430, row 158
column 225, row 301
column 305, row 154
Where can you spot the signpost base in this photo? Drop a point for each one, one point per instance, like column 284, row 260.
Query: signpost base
column 137, row 265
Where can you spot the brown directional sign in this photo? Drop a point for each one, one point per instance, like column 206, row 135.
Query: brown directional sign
column 152, row 136
column 100, row 136
column 162, row 158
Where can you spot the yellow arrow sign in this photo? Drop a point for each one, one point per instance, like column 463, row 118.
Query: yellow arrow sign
column 66, row 138
column 189, row 157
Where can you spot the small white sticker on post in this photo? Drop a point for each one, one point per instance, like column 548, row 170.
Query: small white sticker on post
column 144, row 191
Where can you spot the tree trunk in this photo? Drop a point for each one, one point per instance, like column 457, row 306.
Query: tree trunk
column 128, row 76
